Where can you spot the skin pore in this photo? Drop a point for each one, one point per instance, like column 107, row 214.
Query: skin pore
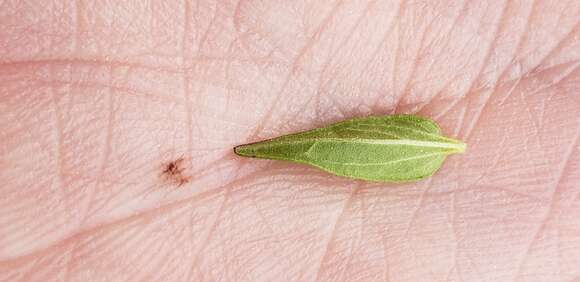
column 98, row 99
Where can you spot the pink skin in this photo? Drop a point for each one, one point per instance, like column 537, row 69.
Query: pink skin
column 97, row 96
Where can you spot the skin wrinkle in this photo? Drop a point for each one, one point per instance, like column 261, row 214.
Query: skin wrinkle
column 417, row 257
column 26, row 276
column 536, row 126
column 454, row 204
column 502, row 149
column 59, row 144
column 142, row 214
column 422, row 49
column 97, row 62
column 188, row 65
column 151, row 96
column 451, row 28
column 347, row 264
column 242, row 35
column 186, row 89
column 168, row 259
column 560, row 45
column 511, row 90
column 473, row 265
column 18, row 121
column 576, row 195
column 191, row 250
column 44, row 233
column 397, row 51
column 332, row 234
column 321, row 83
column 414, row 62
column 237, row 16
column 388, row 31
column 355, row 267
column 519, row 47
column 261, row 215
column 112, row 194
column 101, row 62
column 154, row 261
column 111, row 243
column 77, row 25
column 313, row 39
column 553, row 202
column 416, row 211
column 437, row 94
column 456, row 236
column 386, row 267
column 293, row 70
column 238, row 30
column 530, row 19
column 71, row 259
column 317, row 102
column 162, row 264
column 198, row 255
column 558, row 246
column 336, row 105
column 500, row 25
column 363, row 230
column 228, row 78
column 334, row 51
column 555, row 83
column 107, row 147
column 456, row 131
column 564, row 76
column 485, row 61
column 126, row 237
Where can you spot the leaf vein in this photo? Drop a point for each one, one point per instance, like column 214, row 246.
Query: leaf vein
column 390, row 142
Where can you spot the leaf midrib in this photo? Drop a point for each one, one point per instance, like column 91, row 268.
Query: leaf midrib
column 460, row 147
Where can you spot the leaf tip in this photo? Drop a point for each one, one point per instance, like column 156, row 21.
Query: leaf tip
column 243, row 151
column 238, row 150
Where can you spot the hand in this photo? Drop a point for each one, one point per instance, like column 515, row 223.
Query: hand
column 118, row 123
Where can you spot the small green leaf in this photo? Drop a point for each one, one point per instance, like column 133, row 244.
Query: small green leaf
column 387, row 148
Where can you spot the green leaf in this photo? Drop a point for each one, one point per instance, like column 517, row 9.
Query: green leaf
column 387, row 148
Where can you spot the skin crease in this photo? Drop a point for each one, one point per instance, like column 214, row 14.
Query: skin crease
column 96, row 98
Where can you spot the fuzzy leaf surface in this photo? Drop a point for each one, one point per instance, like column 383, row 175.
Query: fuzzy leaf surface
column 387, row 148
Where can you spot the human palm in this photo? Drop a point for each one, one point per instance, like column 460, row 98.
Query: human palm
column 98, row 100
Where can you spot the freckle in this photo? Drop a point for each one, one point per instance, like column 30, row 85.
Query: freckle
column 174, row 172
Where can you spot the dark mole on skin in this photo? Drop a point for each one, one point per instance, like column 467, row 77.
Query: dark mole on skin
column 174, row 172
